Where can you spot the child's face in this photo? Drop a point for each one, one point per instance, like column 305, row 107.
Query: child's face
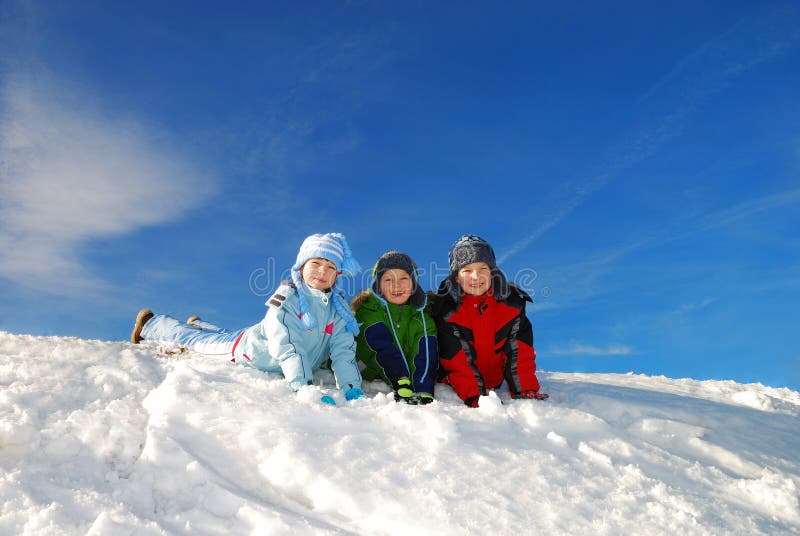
column 475, row 278
column 396, row 286
column 319, row 273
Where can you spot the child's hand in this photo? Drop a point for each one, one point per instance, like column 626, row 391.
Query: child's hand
column 311, row 393
column 354, row 393
column 536, row 395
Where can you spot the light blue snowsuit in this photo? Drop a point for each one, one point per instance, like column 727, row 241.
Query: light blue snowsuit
column 279, row 343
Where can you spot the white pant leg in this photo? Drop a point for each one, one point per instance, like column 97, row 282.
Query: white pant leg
column 216, row 342
column 207, row 326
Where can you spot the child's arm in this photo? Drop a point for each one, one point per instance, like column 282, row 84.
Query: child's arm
column 520, row 369
column 453, row 359
column 282, row 328
column 343, row 357
column 388, row 356
column 426, row 362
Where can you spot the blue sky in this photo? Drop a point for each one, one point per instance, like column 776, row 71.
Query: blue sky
column 636, row 165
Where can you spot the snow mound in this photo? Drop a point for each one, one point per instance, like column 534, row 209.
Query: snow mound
column 110, row 438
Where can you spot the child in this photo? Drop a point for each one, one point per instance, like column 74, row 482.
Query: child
column 484, row 335
column 307, row 322
column 397, row 341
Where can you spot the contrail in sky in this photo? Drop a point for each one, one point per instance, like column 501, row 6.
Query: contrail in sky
column 705, row 71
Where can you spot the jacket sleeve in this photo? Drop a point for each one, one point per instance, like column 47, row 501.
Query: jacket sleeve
column 455, row 361
column 343, row 357
column 281, row 327
column 381, row 341
column 426, row 362
column 520, row 369
column 366, row 355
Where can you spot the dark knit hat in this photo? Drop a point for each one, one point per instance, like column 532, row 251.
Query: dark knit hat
column 467, row 250
column 392, row 260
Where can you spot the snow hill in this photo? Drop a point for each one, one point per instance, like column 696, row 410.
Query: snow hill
column 110, row 438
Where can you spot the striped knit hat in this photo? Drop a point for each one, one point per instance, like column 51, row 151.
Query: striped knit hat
column 332, row 247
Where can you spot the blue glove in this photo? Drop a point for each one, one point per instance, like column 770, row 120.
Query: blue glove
column 354, row 393
column 326, row 399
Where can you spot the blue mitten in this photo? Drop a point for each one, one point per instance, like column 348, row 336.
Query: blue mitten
column 326, row 399
column 354, row 393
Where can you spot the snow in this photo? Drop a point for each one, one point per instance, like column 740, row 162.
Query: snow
column 110, row 438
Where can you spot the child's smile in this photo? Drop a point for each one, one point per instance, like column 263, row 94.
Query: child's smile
column 475, row 278
column 396, row 286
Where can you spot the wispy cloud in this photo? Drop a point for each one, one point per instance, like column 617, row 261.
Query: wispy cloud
column 300, row 123
column 572, row 284
column 763, row 36
column 748, row 208
column 691, row 307
column 567, row 285
column 72, row 172
column 672, row 101
column 785, row 278
column 576, row 348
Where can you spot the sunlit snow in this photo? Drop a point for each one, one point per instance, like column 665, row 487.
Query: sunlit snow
column 110, row 438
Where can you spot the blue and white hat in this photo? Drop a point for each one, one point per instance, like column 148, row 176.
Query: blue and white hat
column 332, row 247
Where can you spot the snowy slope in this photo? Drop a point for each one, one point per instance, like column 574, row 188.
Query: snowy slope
column 110, row 438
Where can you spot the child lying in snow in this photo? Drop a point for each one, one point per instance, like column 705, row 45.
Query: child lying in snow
column 397, row 341
column 307, row 322
column 483, row 333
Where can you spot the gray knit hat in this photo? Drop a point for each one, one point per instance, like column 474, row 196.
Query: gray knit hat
column 467, row 250
column 395, row 260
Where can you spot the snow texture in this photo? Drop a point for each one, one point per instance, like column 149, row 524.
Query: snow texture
column 109, row 438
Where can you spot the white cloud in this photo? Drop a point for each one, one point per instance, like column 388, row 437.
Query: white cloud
column 579, row 348
column 71, row 173
column 689, row 307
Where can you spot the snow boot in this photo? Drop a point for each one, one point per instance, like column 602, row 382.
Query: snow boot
column 141, row 319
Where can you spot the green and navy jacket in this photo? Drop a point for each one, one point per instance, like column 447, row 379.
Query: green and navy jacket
column 396, row 341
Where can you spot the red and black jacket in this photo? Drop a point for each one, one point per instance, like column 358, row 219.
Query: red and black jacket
column 483, row 341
